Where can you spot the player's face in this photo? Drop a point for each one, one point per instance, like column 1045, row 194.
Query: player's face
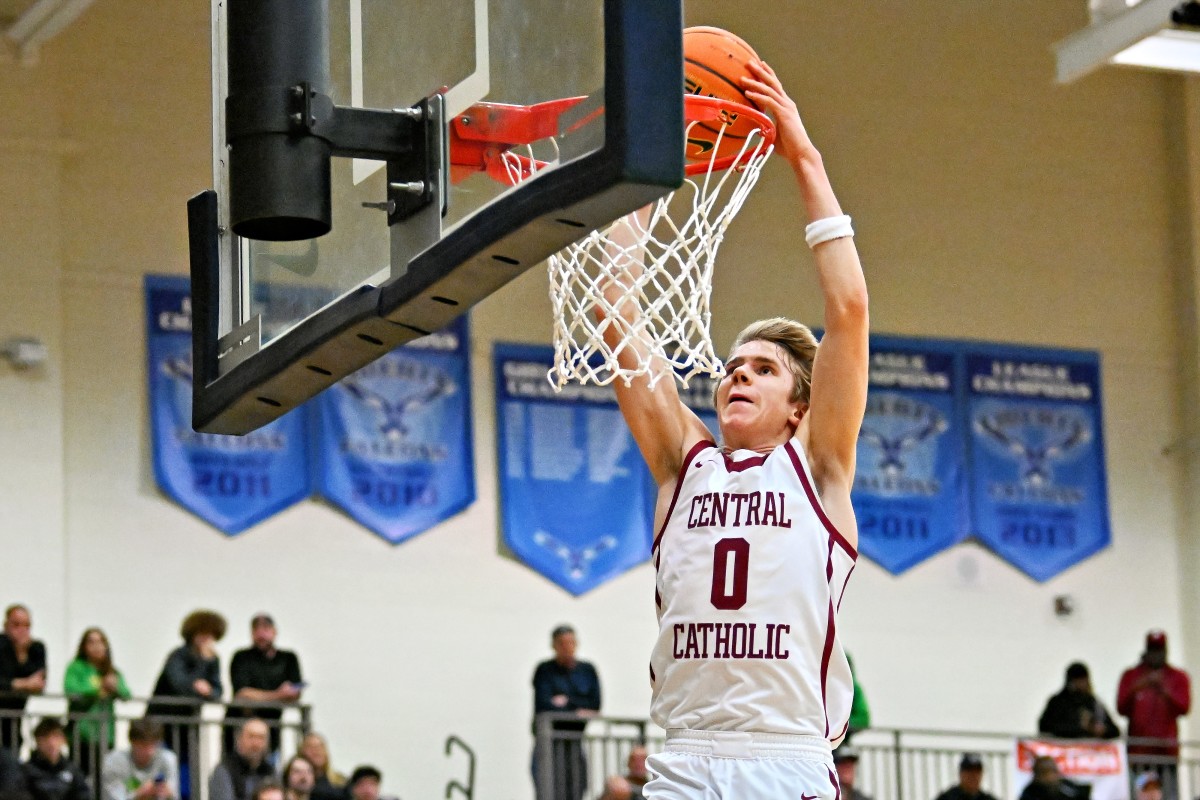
column 753, row 399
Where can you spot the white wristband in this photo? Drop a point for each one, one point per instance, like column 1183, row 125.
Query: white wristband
column 828, row 229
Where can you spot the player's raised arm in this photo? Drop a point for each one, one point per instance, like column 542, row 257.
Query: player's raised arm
column 661, row 424
column 839, row 377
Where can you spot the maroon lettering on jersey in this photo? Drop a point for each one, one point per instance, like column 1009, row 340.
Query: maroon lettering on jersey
column 750, row 651
column 737, row 550
column 738, row 498
column 719, row 509
column 721, row 640
column 784, row 520
column 705, row 628
column 729, row 640
column 779, row 631
column 693, row 644
column 711, row 509
column 737, row 640
column 753, row 501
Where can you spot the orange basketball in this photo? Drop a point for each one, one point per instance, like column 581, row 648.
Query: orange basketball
column 714, row 62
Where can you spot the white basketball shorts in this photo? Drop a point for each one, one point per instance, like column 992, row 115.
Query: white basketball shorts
column 731, row 765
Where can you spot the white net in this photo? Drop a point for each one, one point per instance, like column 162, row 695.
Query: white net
column 657, row 322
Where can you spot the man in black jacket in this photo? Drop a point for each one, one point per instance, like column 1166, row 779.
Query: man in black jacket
column 240, row 771
column 564, row 684
column 22, row 671
column 1049, row 784
column 1075, row 713
column 970, row 781
column 50, row 775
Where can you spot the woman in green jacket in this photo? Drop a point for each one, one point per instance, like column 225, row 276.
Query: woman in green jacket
column 92, row 683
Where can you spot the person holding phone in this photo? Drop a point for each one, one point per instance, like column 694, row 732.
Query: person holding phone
column 146, row 771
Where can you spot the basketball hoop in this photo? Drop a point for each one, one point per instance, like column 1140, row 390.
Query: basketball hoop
column 673, row 252
column 677, row 247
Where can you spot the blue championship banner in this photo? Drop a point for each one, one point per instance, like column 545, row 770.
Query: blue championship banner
column 574, row 493
column 393, row 440
column 909, row 489
column 1037, row 480
column 231, row 482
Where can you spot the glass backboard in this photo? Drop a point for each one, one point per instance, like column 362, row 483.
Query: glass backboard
column 539, row 121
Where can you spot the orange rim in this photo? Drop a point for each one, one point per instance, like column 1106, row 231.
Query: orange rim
column 697, row 108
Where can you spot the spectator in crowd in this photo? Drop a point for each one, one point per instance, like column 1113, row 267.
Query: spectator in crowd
column 268, row 789
column 299, row 777
column 860, row 712
column 22, row 671
column 637, row 776
column 364, row 784
column 1075, row 713
column 1049, row 784
column 1148, row 786
column 330, row 784
column 263, row 673
column 1153, row 695
column 146, row 771
column 242, row 768
column 564, row 684
column 49, row 774
column 616, row 787
column 630, row 785
column 970, row 781
column 845, row 761
column 92, row 683
column 192, row 672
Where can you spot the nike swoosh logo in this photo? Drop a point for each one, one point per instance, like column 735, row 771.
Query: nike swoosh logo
column 808, row 797
column 704, row 146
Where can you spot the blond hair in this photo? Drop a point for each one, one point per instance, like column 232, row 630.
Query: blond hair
column 797, row 342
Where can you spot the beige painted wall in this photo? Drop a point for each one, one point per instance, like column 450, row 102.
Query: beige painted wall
column 989, row 202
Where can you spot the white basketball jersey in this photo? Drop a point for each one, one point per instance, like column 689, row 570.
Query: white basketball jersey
column 750, row 576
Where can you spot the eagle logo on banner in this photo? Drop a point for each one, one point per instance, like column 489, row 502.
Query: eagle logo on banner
column 908, row 487
column 395, row 437
column 1037, row 483
column 895, row 424
column 577, row 560
column 404, row 401
column 1034, row 439
column 231, row 482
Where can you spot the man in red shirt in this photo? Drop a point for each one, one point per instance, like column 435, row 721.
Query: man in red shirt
column 1153, row 694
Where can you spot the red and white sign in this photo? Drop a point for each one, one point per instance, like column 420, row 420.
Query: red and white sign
column 1100, row 764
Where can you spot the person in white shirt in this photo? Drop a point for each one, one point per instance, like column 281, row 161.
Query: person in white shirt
column 146, row 771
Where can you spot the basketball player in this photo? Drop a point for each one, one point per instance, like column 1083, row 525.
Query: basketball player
column 756, row 538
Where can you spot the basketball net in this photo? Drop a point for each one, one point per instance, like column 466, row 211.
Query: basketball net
column 664, row 260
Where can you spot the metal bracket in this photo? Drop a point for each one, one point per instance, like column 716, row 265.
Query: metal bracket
column 418, row 190
column 239, row 344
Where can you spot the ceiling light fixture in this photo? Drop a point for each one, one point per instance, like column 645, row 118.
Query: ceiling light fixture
column 1153, row 34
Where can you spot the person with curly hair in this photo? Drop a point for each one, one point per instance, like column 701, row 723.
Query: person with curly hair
column 192, row 676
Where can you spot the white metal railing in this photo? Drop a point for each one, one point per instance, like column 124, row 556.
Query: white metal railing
column 894, row 763
column 195, row 730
